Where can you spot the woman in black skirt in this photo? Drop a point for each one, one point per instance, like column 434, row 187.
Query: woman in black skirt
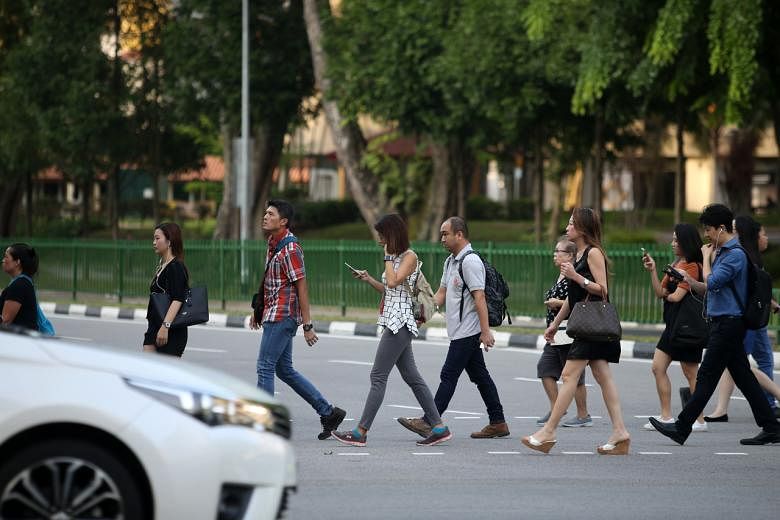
column 587, row 277
column 171, row 278
column 686, row 246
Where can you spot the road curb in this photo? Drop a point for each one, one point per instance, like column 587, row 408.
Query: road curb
column 628, row 348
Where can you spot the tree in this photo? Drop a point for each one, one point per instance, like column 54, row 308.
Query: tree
column 203, row 67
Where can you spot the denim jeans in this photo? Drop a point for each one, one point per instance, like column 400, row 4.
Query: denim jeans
column 276, row 357
column 757, row 345
column 465, row 354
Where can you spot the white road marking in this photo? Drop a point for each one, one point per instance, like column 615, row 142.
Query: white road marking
column 528, row 417
column 428, row 453
column 465, row 417
column 536, row 380
column 404, row 407
column 350, row 362
column 729, row 453
column 75, row 338
column 655, row 453
column 358, row 454
column 461, row 411
column 577, row 452
column 214, row 350
column 503, row 453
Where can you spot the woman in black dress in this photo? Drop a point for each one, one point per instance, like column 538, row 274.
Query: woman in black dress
column 587, row 277
column 171, row 278
column 18, row 304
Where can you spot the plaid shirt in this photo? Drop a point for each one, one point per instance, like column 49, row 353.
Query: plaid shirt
column 284, row 268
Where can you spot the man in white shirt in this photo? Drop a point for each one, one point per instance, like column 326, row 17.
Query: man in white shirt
column 468, row 330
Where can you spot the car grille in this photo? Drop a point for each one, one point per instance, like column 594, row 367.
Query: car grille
column 284, row 502
column 281, row 425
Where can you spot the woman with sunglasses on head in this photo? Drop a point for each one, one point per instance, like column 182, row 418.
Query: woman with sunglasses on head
column 686, row 246
column 587, row 277
column 172, row 278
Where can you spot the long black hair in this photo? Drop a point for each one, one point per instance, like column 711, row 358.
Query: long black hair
column 689, row 242
column 748, row 230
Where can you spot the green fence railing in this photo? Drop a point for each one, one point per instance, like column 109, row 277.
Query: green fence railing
column 232, row 269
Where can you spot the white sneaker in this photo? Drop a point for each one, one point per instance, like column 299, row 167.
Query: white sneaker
column 699, row 427
column 649, row 427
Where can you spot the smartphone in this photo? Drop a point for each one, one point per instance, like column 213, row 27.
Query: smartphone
column 644, row 253
column 351, row 268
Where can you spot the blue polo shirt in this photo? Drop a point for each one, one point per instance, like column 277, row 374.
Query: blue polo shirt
column 730, row 266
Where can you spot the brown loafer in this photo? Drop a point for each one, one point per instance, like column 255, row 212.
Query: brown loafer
column 491, row 431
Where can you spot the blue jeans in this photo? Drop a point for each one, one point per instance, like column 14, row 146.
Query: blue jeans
column 757, row 345
column 465, row 354
column 276, row 357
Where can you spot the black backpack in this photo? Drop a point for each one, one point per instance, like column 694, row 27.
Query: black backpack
column 755, row 313
column 496, row 291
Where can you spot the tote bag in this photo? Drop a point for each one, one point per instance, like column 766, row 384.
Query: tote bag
column 194, row 310
column 594, row 321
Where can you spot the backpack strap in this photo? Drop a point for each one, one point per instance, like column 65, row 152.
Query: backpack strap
column 465, row 286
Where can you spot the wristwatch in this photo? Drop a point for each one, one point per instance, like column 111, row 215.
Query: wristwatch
column 307, row 327
column 167, row 324
column 388, row 258
column 585, row 282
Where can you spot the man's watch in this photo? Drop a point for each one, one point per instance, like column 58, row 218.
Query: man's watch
column 307, row 327
column 388, row 258
column 167, row 324
column 585, row 282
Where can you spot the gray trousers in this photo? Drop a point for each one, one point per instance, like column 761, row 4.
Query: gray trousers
column 396, row 349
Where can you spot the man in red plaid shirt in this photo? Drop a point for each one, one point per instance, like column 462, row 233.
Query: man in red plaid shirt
column 286, row 305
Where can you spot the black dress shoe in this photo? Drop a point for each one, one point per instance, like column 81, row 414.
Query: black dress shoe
column 670, row 430
column 762, row 438
column 720, row 418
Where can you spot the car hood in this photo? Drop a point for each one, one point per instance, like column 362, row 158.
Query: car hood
column 153, row 368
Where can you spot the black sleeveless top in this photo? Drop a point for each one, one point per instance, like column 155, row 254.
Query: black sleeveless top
column 576, row 291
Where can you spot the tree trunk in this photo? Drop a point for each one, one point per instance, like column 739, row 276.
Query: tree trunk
column 350, row 143
column 227, row 217
column 113, row 173
column 438, row 193
column 269, row 142
column 86, row 200
column 10, row 191
column 597, row 172
column 29, row 203
column 739, row 169
column 679, row 172
column 555, row 213
column 538, row 187
column 776, row 122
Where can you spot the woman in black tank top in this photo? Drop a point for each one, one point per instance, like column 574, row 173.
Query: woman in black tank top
column 587, row 278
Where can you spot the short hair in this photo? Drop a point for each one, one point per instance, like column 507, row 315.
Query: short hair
column 458, row 224
column 689, row 242
column 393, row 229
column 569, row 246
column 284, row 208
column 716, row 215
column 26, row 256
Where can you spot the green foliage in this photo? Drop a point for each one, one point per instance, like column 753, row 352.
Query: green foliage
column 479, row 207
column 211, row 190
column 673, row 23
column 401, row 181
column 317, row 214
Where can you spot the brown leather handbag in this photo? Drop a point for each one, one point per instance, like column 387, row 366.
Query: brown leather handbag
column 594, row 320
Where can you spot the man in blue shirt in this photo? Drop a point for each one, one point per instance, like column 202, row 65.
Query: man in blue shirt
column 725, row 269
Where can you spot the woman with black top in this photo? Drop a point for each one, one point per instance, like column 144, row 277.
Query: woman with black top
column 18, row 303
column 587, row 277
column 171, row 278
column 686, row 246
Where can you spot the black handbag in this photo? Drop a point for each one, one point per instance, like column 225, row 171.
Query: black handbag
column 594, row 321
column 689, row 328
column 194, row 310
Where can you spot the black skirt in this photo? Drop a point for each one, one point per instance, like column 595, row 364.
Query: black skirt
column 677, row 353
column 606, row 350
column 177, row 339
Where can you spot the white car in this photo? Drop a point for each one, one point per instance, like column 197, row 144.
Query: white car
column 91, row 433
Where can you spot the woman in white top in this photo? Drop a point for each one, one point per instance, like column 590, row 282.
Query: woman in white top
column 399, row 327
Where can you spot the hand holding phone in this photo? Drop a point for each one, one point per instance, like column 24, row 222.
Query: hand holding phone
column 352, row 268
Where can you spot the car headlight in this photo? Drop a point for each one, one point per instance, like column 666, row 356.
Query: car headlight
column 210, row 409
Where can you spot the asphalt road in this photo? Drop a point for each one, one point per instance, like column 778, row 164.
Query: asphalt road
column 712, row 476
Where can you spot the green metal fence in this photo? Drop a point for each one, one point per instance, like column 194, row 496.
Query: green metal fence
column 231, row 270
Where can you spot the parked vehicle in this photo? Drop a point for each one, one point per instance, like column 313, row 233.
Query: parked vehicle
column 93, row 432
